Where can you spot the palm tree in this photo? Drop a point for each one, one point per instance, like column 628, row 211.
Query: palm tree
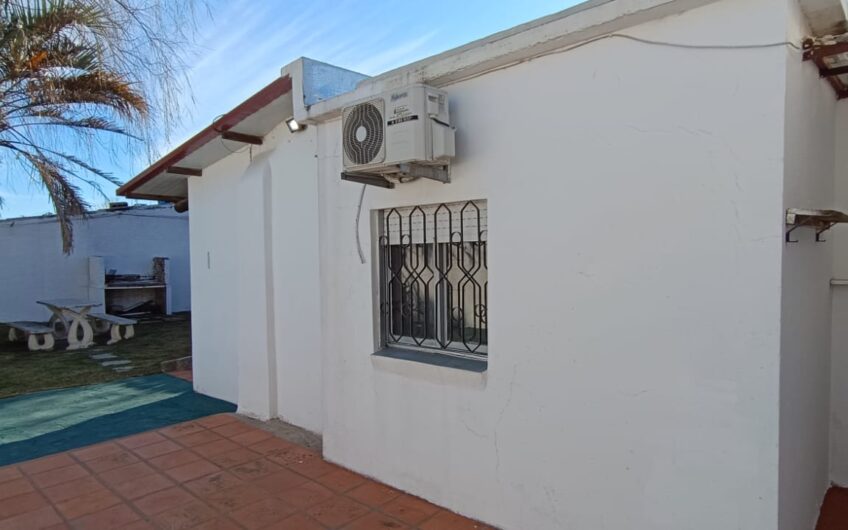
column 71, row 72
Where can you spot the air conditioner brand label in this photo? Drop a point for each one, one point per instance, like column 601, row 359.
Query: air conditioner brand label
column 402, row 119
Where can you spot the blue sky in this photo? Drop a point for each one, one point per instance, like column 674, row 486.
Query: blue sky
column 245, row 43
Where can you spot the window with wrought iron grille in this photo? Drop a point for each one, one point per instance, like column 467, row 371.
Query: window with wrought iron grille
column 434, row 278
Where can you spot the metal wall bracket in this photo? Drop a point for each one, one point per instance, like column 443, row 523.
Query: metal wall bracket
column 372, row 179
column 428, row 172
column 821, row 220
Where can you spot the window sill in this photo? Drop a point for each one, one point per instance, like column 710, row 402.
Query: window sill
column 432, row 367
column 435, row 359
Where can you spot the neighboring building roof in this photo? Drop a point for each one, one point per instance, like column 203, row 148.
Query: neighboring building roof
column 135, row 210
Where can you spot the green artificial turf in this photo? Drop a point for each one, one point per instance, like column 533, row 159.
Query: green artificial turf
column 22, row 371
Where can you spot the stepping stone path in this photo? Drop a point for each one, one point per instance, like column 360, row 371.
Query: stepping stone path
column 108, row 360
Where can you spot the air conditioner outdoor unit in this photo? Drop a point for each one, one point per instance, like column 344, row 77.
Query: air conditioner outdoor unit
column 401, row 133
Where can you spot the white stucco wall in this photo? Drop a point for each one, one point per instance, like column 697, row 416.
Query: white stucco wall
column 805, row 302
column 635, row 197
column 257, row 296
column 214, row 284
column 33, row 267
column 839, row 299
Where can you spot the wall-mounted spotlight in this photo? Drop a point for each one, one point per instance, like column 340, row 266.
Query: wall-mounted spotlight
column 294, row 126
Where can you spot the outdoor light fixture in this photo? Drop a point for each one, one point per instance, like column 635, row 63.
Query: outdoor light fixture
column 294, row 126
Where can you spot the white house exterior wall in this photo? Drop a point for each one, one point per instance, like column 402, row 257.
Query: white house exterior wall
column 806, row 295
column 256, row 291
column 214, row 288
column 33, row 267
column 839, row 294
column 634, row 197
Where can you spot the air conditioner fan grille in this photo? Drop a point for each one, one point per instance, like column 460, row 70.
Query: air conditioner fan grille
column 363, row 133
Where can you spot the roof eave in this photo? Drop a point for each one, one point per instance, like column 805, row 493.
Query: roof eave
column 226, row 123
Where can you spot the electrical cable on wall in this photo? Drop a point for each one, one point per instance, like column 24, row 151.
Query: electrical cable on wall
column 358, row 215
column 715, row 47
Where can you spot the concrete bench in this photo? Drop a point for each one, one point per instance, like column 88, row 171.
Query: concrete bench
column 39, row 335
column 114, row 324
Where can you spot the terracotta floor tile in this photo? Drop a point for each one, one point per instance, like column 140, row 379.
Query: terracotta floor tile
column 210, row 484
column 175, row 459
column 139, row 525
column 157, row 449
column 9, row 472
column 234, row 457
column 834, row 510
column 163, row 500
column 58, row 475
column 26, row 502
column 215, row 448
column 271, row 444
column 261, row 514
column 73, row 488
column 15, row 487
column 186, row 516
column 279, row 481
column 445, row 520
column 373, row 493
column 376, row 521
column 255, row 469
column 411, row 510
column 236, row 498
column 292, row 454
column 96, row 451
column 111, row 461
column 137, row 488
column 36, row 520
column 126, row 473
column 232, row 429
column 296, row 522
column 33, row 467
column 216, row 473
column 116, row 517
column 216, row 421
column 192, row 470
column 251, row 437
column 306, row 495
column 337, row 511
column 181, row 429
column 183, row 374
column 198, row 438
column 220, row 523
column 314, row 468
column 47, row 463
column 340, row 480
column 140, row 440
column 86, row 504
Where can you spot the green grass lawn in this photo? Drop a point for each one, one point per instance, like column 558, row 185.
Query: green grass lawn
column 23, row 371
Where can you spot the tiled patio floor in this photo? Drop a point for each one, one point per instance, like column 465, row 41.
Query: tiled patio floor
column 213, row 473
column 834, row 510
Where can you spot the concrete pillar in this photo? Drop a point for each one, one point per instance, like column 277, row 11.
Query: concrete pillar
column 255, row 312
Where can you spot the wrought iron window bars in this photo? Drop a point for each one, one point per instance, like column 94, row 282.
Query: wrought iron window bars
column 434, row 277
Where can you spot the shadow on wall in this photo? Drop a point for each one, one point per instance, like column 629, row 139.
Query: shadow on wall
column 113, row 410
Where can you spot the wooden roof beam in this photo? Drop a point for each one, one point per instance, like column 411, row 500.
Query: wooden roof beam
column 187, row 171
column 240, row 137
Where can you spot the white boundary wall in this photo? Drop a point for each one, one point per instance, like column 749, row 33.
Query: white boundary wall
column 33, row 267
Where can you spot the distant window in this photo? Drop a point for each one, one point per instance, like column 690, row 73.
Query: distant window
column 434, row 278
